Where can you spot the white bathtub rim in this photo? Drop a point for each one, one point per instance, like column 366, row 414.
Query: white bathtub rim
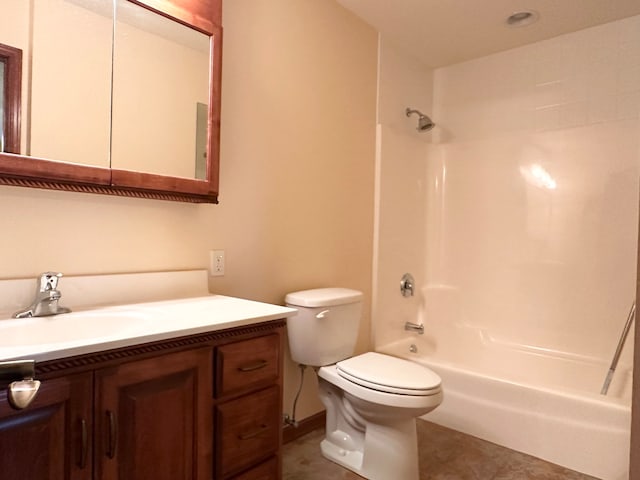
column 484, row 409
column 571, row 393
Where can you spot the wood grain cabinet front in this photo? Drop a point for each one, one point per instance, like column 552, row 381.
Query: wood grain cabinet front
column 150, row 411
column 249, row 408
column 267, row 470
column 248, row 364
column 248, row 430
column 153, row 418
column 50, row 439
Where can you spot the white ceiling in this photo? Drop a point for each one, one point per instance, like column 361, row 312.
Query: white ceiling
column 443, row 32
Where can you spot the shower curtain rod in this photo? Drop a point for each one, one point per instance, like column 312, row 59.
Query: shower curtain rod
column 616, row 356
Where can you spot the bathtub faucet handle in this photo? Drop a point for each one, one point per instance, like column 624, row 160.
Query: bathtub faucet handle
column 406, row 285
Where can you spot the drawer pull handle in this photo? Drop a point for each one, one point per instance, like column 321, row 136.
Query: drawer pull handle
column 113, row 435
column 254, row 366
column 260, row 430
column 84, row 445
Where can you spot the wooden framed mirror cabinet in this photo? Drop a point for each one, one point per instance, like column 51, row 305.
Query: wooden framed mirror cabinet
column 116, row 97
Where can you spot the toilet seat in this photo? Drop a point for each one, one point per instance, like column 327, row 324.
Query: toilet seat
column 389, row 374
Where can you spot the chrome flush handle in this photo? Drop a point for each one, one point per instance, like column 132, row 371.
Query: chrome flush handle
column 23, row 392
column 20, row 392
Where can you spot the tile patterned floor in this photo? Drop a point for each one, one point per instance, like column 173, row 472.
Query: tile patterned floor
column 444, row 455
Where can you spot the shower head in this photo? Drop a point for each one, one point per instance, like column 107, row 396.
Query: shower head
column 424, row 122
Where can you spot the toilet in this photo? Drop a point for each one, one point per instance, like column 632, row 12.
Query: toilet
column 372, row 400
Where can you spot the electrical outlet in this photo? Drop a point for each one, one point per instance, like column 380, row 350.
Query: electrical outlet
column 216, row 263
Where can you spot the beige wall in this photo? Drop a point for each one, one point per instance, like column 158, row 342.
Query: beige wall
column 297, row 175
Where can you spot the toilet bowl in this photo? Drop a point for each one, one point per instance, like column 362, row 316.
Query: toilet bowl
column 372, row 400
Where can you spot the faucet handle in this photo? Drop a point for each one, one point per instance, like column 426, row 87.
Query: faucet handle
column 406, row 285
column 49, row 281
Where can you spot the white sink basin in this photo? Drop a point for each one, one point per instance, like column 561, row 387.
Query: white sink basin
column 72, row 327
column 81, row 332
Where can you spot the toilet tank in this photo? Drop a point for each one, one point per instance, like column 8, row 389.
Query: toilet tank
column 325, row 329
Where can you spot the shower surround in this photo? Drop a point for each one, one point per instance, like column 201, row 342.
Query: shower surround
column 517, row 214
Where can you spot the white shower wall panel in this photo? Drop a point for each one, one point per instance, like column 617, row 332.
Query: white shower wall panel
column 402, row 183
column 532, row 231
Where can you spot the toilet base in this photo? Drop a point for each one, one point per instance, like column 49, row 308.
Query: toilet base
column 390, row 452
column 350, row 459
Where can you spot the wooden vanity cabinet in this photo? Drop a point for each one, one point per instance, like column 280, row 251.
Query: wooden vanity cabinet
column 50, row 439
column 249, row 408
column 191, row 408
column 153, row 418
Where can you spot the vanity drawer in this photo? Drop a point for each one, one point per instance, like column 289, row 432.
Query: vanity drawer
column 245, row 364
column 265, row 471
column 247, row 430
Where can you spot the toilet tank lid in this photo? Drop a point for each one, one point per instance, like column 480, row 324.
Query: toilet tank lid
column 323, row 297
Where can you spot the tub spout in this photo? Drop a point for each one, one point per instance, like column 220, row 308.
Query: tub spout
column 414, row 327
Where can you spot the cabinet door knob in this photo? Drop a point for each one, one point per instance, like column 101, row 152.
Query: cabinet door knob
column 112, row 443
column 254, row 366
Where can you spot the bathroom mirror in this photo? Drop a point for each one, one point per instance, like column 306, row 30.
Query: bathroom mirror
column 10, row 88
column 113, row 97
column 155, row 102
column 2, row 122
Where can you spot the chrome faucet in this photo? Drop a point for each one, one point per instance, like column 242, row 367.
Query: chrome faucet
column 47, row 297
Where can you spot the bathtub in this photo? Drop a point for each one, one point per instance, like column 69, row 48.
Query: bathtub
column 543, row 403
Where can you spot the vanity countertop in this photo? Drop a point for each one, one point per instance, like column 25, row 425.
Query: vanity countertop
column 92, row 330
